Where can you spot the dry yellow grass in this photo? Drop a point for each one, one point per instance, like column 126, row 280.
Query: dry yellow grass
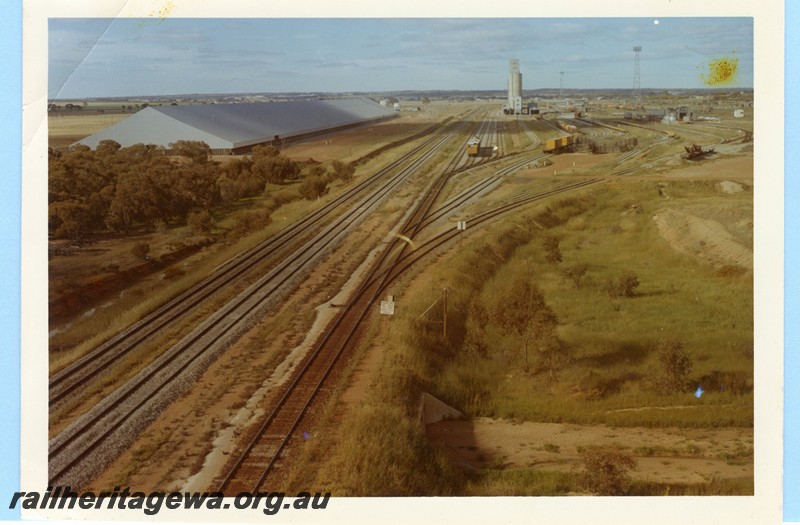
column 68, row 125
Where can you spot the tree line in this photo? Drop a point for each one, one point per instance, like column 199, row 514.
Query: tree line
column 118, row 189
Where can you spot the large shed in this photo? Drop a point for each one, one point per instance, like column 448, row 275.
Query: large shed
column 236, row 128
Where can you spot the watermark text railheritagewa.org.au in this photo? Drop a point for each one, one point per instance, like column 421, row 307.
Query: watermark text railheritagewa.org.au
column 65, row 498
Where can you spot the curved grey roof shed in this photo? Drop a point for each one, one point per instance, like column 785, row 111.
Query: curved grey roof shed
column 238, row 127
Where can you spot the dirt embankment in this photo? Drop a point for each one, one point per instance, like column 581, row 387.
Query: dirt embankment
column 705, row 239
column 65, row 306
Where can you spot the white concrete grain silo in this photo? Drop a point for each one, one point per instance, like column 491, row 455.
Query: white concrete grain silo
column 514, row 87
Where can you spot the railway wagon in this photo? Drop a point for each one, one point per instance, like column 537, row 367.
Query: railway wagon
column 473, row 147
column 558, row 144
column 569, row 128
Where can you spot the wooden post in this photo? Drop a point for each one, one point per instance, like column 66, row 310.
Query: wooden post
column 444, row 314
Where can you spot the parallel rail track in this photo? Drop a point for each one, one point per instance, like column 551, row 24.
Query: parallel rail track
column 78, row 374
column 95, row 438
column 264, row 448
column 91, row 435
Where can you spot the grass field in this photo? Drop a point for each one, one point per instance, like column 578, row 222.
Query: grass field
column 694, row 297
column 64, row 130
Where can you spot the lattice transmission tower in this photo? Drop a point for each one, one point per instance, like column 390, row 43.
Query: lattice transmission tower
column 637, row 80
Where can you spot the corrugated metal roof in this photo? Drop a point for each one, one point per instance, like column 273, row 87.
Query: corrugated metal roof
column 150, row 126
column 237, row 125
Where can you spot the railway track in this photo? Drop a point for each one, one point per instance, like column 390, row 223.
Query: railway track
column 488, row 133
column 263, row 450
column 534, row 138
column 91, row 442
column 79, row 374
column 514, row 202
column 87, row 445
column 262, row 453
column 638, row 152
column 743, row 134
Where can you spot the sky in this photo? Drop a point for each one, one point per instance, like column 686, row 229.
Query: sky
column 150, row 57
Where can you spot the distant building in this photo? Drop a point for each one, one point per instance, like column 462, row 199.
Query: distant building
column 669, row 115
column 236, row 128
column 738, row 113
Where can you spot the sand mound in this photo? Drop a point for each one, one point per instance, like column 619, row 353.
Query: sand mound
column 729, row 187
column 705, row 239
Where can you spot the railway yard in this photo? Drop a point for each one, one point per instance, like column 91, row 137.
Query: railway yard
column 299, row 354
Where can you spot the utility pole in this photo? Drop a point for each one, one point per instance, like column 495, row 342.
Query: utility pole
column 637, row 80
column 461, row 226
column 444, row 316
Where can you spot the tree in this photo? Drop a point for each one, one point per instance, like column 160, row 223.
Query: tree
column 670, row 374
column 605, row 471
column 523, row 312
column 107, row 147
column 275, row 169
column 70, row 219
column 264, row 152
column 196, row 150
column 141, row 195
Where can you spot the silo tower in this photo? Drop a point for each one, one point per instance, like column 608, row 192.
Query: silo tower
column 514, row 87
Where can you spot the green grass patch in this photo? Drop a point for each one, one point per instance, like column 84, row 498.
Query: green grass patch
column 605, row 355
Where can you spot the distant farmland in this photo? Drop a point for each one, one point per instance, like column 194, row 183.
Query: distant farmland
column 67, row 129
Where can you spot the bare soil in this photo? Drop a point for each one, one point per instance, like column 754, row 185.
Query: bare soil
column 705, row 239
column 662, row 455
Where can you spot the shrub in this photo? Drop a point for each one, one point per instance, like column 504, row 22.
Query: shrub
column 343, row 170
column 282, row 197
column 730, row 271
column 673, row 366
column 200, row 221
column 314, row 187
column 575, row 274
column 623, row 286
column 605, row 471
column 252, row 220
column 552, row 253
column 173, row 273
column 374, row 462
column 591, row 386
column 736, row 383
column 548, row 219
column 140, row 250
